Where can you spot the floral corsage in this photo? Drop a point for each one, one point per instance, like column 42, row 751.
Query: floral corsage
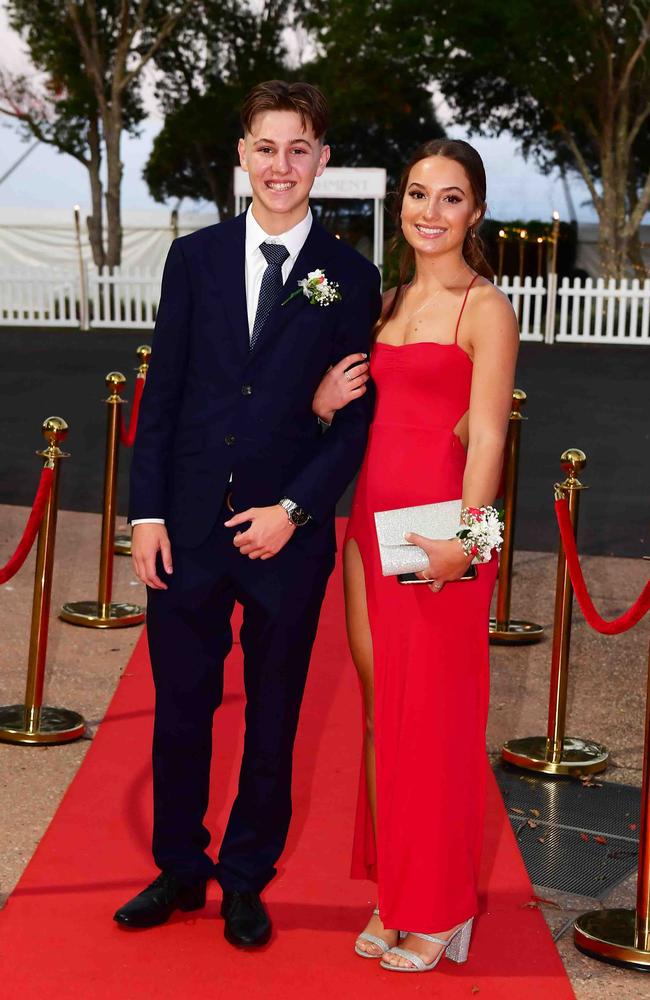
column 318, row 289
column 481, row 532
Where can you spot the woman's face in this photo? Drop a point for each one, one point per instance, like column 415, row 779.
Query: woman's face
column 438, row 206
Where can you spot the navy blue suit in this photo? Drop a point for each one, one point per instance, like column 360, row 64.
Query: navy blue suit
column 215, row 409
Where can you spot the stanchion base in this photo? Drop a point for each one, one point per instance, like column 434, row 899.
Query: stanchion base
column 89, row 614
column 609, row 936
column 122, row 545
column 57, row 725
column 515, row 633
column 533, row 753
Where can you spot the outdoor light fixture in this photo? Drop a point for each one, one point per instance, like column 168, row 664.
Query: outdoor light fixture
column 523, row 236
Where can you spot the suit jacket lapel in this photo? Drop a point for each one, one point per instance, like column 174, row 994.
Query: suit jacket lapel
column 231, row 274
column 315, row 252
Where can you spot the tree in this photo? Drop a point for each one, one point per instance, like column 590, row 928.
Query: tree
column 92, row 58
column 570, row 79
column 379, row 94
column 223, row 48
column 380, row 108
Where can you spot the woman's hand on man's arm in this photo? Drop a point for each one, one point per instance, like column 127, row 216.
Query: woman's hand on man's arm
column 339, row 387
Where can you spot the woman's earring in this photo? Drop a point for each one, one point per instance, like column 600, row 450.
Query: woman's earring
column 472, row 233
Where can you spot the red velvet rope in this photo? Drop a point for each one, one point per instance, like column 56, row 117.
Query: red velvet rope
column 127, row 436
column 31, row 528
column 631, row 616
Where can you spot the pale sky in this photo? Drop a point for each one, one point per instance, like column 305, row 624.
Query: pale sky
column 47, row 179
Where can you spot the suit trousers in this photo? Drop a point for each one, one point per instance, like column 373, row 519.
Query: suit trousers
column 189, row 636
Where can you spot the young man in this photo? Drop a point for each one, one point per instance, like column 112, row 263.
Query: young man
column 233, row 489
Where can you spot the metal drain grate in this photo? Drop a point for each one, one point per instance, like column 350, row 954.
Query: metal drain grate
column 585, row 840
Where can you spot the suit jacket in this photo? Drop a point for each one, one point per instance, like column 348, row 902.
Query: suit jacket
column 213, row 408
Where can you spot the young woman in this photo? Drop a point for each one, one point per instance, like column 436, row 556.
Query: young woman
column 443, row 364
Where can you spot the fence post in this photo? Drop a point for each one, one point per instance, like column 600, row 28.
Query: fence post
column 551, row 300
column 83, row 278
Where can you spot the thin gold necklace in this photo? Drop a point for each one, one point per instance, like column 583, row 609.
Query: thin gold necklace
column 428, row 301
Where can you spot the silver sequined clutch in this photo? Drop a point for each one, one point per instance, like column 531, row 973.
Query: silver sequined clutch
column 433, row 520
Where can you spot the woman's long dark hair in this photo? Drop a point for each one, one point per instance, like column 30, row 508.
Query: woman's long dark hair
column 472, row 164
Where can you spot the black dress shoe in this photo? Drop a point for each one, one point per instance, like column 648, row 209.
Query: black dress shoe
column 248, row 925
column 155, row 904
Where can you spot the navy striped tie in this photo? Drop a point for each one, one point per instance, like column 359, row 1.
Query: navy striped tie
column 275, row 255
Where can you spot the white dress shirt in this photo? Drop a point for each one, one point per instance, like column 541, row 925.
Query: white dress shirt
column 255, row 265
column 293, row 240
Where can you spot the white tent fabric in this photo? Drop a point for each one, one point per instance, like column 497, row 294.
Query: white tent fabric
column 45, row 238
column 588, row 256
column 35, row 238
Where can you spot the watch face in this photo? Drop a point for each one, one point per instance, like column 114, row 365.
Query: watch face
column 298, row 517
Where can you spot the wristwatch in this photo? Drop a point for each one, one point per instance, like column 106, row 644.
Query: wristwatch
column 296, row 514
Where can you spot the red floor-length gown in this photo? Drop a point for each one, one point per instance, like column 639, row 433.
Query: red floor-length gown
column 430, row 655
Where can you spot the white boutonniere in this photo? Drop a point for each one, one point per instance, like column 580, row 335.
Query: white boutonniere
column 318, row 289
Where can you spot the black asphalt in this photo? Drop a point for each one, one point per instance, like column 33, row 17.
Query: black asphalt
column 590, row 397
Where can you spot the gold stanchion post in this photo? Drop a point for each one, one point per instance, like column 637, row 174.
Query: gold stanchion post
column 103, row 613
column 555, row 753
column 35, row 723
column 122, row 544
column 503, row 628
column 623, row 936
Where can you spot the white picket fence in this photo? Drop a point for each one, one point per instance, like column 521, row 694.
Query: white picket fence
column 604, row 312
column 590, row 312
column 38, row 298
column 528, row 300
column 124, row 300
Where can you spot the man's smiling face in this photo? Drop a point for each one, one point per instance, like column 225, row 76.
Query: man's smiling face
column 283, row 157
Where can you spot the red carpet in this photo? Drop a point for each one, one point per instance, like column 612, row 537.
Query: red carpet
column 57, row 939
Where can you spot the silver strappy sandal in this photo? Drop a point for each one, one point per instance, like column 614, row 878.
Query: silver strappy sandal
column 372, row 939
column 455, row 948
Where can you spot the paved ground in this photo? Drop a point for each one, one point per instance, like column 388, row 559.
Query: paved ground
column 591, row 397
column 605, row 701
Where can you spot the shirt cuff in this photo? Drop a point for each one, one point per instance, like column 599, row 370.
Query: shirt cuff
column 148, row 520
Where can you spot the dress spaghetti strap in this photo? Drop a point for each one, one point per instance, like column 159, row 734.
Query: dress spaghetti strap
column 462, row 308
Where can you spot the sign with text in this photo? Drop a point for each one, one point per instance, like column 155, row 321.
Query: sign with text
column 335, row 182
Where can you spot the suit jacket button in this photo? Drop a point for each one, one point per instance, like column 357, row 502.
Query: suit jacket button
column 229, row 439
column 247, row 390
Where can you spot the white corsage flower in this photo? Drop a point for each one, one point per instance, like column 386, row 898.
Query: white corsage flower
column 481, row 532
column 318, row 289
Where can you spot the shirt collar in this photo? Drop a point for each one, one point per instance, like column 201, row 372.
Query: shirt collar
column 293, row 239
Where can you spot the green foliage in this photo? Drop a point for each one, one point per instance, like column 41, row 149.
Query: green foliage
column 378, row 92
column 223, row 49
column 381, row 110
column 64, row 112
column 568, row 79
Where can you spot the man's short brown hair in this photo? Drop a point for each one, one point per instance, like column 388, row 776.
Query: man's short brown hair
column 278, row 95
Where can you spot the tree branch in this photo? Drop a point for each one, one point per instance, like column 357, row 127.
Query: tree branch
column 164, row 33
column 138, row 20
column 38, row 133
column 639, row 210
column 634, row 58
column 89, row 50
column 583, row 168
column 122, row 48
column 636, row 126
